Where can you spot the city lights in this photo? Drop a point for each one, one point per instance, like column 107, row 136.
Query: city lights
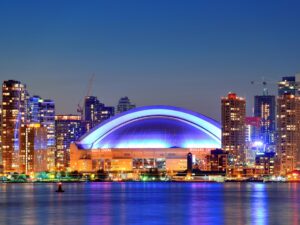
column 36, row 140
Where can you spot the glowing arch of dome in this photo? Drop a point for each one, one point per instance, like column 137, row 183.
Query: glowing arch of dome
column 201, row 122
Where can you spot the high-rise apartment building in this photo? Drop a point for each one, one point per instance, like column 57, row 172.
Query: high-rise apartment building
column 265, row 109
column 288, row 126
column 34, row 106
column 96, row 112
column 42, row 111
column 14, row 117
column 68, row 130
column 47, row 119
column 233, row 127
column 33, row 144
column 91, row 107
column 124, row 105
column 1, row 164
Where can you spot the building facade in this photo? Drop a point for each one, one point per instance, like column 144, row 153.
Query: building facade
column 34, row 109
column 96, row 112
column 124, row 105
column 42, row 111
column 14, row 119
column 233, row 127
column 265, row 109
column 47, row 120
column 106, row 112
column 218, row 160
column 91, row 107
column 289, row 85
column 288, row 126
column 33, row 148
column 265, row 162
column 1, row 163
column 68, row 130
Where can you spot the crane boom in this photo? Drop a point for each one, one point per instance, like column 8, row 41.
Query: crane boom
column 262, row 82
column 80, row 107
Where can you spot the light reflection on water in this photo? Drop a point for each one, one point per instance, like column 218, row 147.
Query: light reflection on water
column 150, row 203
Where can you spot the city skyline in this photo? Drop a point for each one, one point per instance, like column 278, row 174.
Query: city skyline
column 148, row 51
column 150, row 112
column 34, row 139
column 216, row 115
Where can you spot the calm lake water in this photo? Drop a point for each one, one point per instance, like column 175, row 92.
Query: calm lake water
column 150, row 203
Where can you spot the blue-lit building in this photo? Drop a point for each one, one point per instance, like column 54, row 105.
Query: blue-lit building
column 47, row 119
column 34, row 109
column 146, row 137
column 43, row 111
column 265, row 109
column 91, row 106
column 96, row 112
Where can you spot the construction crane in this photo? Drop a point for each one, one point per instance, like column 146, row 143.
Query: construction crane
column 80, row 106
column 262, row 82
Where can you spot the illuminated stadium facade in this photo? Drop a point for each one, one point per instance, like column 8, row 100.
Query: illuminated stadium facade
column 147, row 137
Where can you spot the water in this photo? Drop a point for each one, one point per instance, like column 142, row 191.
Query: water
column 150, row 203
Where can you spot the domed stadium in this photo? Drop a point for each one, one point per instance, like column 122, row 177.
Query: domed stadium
column 146, row 137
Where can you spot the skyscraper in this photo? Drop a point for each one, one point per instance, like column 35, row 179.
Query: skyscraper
column 233, row 127
column 68, row 129
column 14, row 111
column 34, row 106
column 124, row 105
column 1, row 164
column 96, row 112
column 265, row 109
column 43, row 112
column 91, row 107
column 288, row 126
column 33, row 143
column 47, row 119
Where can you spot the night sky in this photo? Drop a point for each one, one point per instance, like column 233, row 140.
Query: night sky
column 182, row 53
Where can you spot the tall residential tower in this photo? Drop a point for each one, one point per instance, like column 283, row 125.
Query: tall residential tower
column 14, row 118
column 288, row 123
column 233, row 128
column 68, row 130
column 96, row 112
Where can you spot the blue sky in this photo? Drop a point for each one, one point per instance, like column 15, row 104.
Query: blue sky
column 182, row 53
